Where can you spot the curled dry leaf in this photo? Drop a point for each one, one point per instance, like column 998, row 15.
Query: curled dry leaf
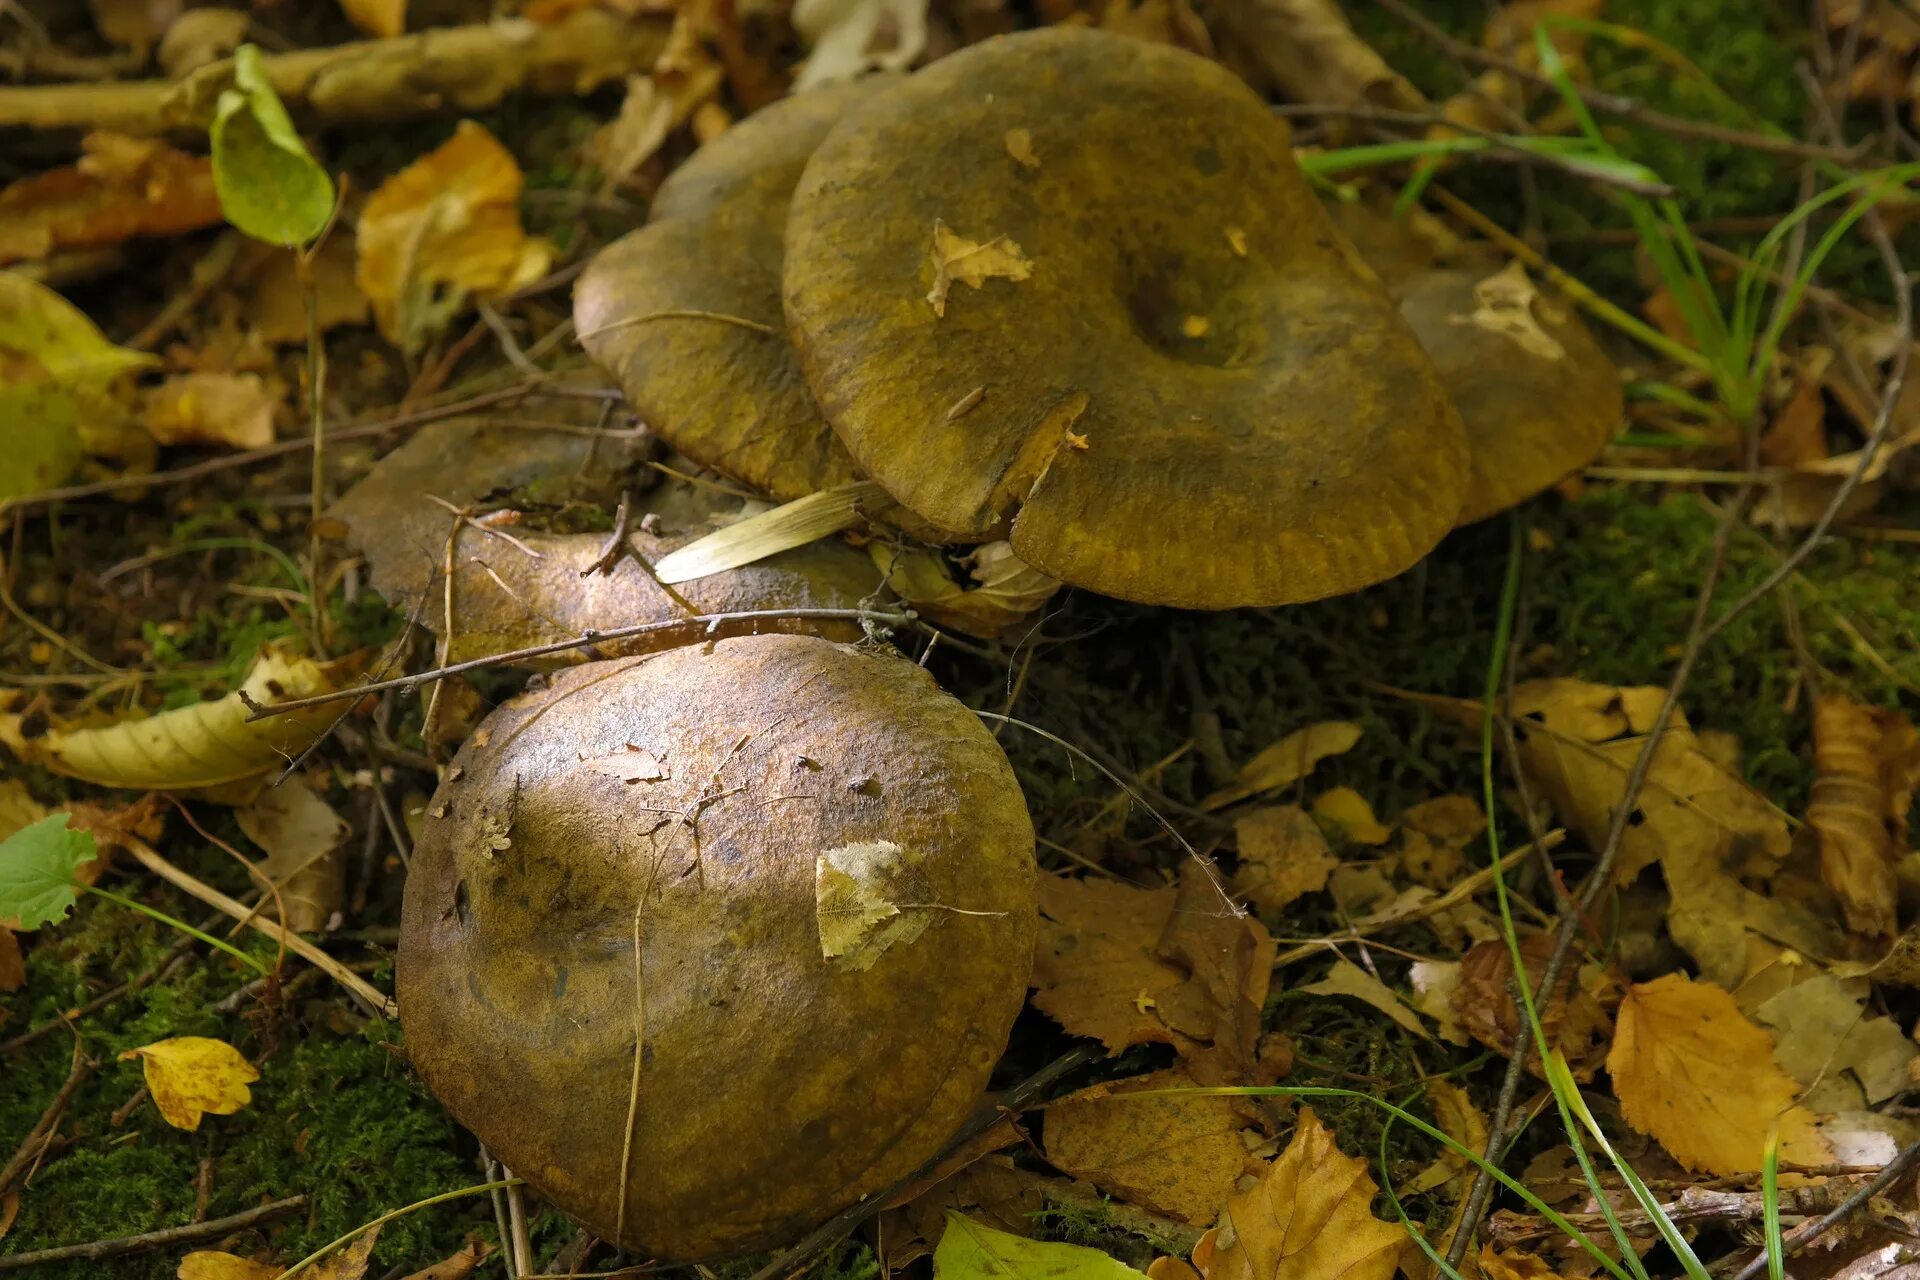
column 1693, row 1073
column 1309, row 1217
column 1866, row 762
column 192, row 1076
column 1577, row 1017
column 203, row 745
column 231, row 409
column 442, row 230
column 684, row 78
column 1005, row 593
column 1288, row 760
column 1283, row 855
column 848, row 37
column 301, row 836
column 971, row 262
column 120, row 188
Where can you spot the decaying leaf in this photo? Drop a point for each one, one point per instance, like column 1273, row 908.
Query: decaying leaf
column 972, row 262
column 457, row 1266
column 1866, row 761
column 1434, row 836
column 970, row 1251
column 211, row 1264
column 1348, row 810
column 1435, row 983
column 231, row 409
column 120, row 188
column 682, row 79
column 1693, row 1073
column 301, row 836
column 1288, row 760
column 192, row 1076
column 442, row 230
column 1825, row 1039
column 1176, row 1156
column 269, row 185
column 382, row 18
column 1497, row 1264
column 1458, row 1118
column 1283, row 855
column 1576, row 1017
column 198, row 746
column 1349, row 979
column 1005, row 590
column 869, row 896
column 1309, row 1217
column 848, row 37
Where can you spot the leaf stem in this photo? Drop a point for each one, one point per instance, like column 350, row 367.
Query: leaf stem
column 145, row 910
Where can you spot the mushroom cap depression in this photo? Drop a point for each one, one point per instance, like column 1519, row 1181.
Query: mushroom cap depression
column 742, row 810
column 729, row 396
column 1177, row 385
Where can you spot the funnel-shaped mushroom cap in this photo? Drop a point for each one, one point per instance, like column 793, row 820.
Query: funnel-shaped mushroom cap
column 1157, row 358
column 1539, row 398
column 663, row 308
column 829, row 868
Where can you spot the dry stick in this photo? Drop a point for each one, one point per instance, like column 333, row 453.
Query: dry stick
column 365, row 992
column 37, row 1137
column 212, row 1229
column 1805, row 1234
column 585, row 640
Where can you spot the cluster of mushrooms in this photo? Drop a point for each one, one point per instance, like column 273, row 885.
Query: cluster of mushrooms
column 711, row 941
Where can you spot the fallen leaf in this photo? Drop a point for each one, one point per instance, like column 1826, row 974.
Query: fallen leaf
column 382, row 18
column 1434, row 836
column 845, row 37
column 1575, row 1017
column 1287, row 761
column 1435, row 983
column 1796, row 433
column 275, row 300
column 970, row 1251
column 973, row 262
column 13, row 964
column 1283, row 856
column 269, row 185
column 1005, row 590
column 1866, row 762
column 1175, row 1156
column 457, row 1266
column 211, row 1264
column 1457, row 1117
column 1311, row 53
column 1499, row 1264
column 1310, row 1217
column 350, row 1261
column 989, row 1190
column 37, row 868
column 1349, row 979
column 192, row 1076
column 869, row 896
column 302, row 837
column 683, row 78
column 120, row 188
column 443, row 229
column 1349, row 810
column 1693, row 1073
column 1822, row 1029
column 231, row 409
column 200, row 36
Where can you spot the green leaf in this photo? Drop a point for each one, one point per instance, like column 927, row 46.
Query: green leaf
column 37, row 863
column 269, row 185
column 969, row 1251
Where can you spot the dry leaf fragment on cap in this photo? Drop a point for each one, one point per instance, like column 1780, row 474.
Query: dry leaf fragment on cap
column 120, row 188
column 1693, row 1073
column 1288, row 760
column 1020, row 147
column 1283, row 855
column 868, row 896
column 443, row 229
column 973, row 262
column 1310, row 1217
column 1866, row 762
column 192, row 1076
column 1505, row 303
column 231, row 409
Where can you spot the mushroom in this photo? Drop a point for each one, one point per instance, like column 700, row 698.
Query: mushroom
column 819, row 867
column 1074, row 285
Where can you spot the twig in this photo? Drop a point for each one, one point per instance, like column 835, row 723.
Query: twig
column 711, row 622
column 616, row 547
column 174, row 955
column 1808, row 1232
column 37, row 1137
column 212, row 1229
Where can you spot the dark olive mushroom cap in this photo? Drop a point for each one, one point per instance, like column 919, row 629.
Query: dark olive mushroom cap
column 1198, row 398
column 727, row 395
column 776, row 1086
column 1539, row 398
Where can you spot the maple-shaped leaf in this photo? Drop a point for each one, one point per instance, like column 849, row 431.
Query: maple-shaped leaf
column 37, row 865
column 969, row 1251
column 1695, row 1074
column 192, row 1076
column 1308, row 1218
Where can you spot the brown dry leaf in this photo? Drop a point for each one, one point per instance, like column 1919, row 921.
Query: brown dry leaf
column 1174, row 1156
column 210, row 1264
column 230, row 409
column 1497, row 1264
column 1288, row 760
column 684, row 78
column 13, row 964
column 1349, row 979
column 973, row 262
column 1825, row 1039
column 275, row 300
column 1577, row 1019
column 1283, row 855
column 192, row 1076
column 1457, row 1117
column 1349, row 810
column 1434, row 984
column 1505, row 303
column 1005, row 593
column 1310, row 1217
column 1434, row 836
column 1311, row 53
column 121, row 188
column 457, row 1266
column 443, row 229
column 1796, row 434
column 9, row 1210
column 1866, row 761
column 384, row 19
column 1693, row 1073
column 301, row 836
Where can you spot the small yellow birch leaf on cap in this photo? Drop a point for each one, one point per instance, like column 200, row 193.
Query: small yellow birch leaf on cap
column 192, row 1076
column 1288, row 760
column 1310, row 1217
column 869, row 896
column 974, row 262
column 1350, row 811
column 211, row 1264
column 1695, row 1074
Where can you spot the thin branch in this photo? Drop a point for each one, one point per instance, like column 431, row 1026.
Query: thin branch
column 212, row 1229
column 1808, row 1232
column 31, row 1146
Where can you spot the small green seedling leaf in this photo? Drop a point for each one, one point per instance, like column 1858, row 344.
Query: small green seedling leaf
column 269, row 185
column 37, row 864
column 969, row 1251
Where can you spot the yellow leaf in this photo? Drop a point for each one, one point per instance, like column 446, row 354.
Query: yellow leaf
column 1288, row 760
column 1310, row 1217
column 457, row 1266
column 192, row 1076
column 1348, row 979
column 210, row 1264
column 1692, row 1072
column 233, row 409
column 1496, row 1265
column 869, row 896
column 956, row 258
column 383, row 18
column 1350, row 811
column 1867, row 760
column 441, row 230
column 1282, row 856
column 1460, row 1120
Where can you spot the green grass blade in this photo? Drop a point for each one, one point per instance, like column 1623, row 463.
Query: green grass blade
column 1770, row 1207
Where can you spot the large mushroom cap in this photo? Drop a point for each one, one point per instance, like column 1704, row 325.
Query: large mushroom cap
column 662, row 308
column 1196, row 397
column 772, row 798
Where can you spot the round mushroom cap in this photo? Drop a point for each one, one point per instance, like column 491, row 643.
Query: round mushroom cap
column 1075, row 284
column 1539, row 398
column 685, row 312
column 743, row 811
